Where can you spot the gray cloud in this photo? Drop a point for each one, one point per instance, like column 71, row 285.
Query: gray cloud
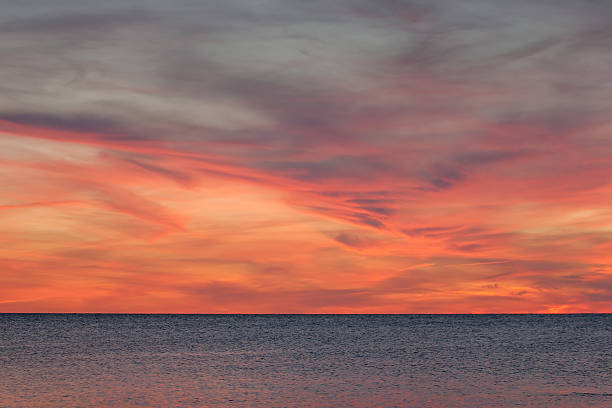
column 178, row 176
column 72, row 122
column 353, row 240
column 55, row 22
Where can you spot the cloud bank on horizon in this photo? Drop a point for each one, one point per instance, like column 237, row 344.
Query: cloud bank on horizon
column 321, row 156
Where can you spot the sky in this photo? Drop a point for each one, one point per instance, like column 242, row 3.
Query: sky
column 288, row 156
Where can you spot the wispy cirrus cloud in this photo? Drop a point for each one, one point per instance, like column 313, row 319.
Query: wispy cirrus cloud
column 346, row 144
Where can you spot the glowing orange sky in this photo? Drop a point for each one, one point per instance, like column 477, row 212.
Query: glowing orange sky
column 213, row 158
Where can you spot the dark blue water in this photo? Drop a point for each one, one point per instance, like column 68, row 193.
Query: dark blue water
column 305, row 361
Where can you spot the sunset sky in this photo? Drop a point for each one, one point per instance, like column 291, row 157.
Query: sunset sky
column 316, row 156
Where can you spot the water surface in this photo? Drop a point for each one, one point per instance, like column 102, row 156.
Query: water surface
column 71, row 360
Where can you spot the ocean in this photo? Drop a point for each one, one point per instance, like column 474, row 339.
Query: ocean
column 122, row 360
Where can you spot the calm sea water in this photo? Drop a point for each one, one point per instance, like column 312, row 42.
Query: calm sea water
column 305, row 361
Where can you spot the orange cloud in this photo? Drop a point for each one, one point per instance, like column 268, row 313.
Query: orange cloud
column 351, row 166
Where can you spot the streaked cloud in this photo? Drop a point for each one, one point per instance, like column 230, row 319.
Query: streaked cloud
column 367, row 156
